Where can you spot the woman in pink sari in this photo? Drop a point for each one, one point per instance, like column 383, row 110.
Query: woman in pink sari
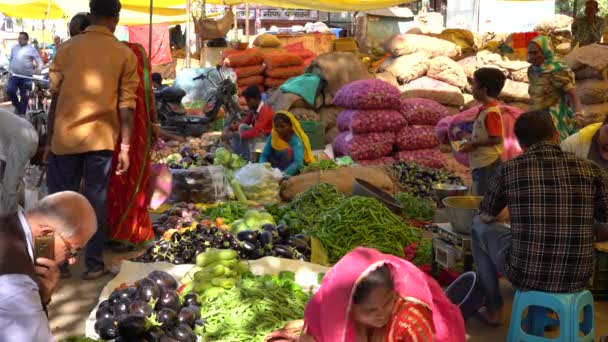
column 370, row 296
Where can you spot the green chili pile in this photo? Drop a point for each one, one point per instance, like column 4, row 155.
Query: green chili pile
column 256, row 307
column 322, row 196
column 416, row 208
column 320, row 165
column 362, row 221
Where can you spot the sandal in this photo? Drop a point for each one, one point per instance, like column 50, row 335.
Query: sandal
column 482, row 314
column 95, row 275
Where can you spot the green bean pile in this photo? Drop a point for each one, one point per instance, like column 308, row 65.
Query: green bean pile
column 320, row 165
column 319, row 197
column 362, row 221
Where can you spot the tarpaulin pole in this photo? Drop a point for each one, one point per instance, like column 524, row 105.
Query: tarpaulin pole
column 236, row 25
column 247, row 21
column 150, row 31
column 188, row 14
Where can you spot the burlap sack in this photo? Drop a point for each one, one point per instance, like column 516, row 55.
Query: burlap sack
column 431, row 89
column 329, row 115
column 592, row 91
column 589, row 73
column 409, row 67
column 207, row 29
column 406, row 44
column 388, row 78
column 556, row 22
column 331, row 135
column 595, row 56
column 338, row 69
column 463, row 38
column 515, row 92
column 594, row 113
column 445, row 69
column 469, row 65
column 342, row 178
column 267, row 41
column 304, row 114
column 520, row 75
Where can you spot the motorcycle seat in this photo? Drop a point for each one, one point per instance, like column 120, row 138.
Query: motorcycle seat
column 173, row 94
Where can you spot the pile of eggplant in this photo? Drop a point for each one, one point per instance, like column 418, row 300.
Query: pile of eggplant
column 149, row 311
column 181, row 215
column 183, row 247
column 273, row 241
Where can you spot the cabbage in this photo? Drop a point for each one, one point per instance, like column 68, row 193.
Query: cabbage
column 238, row 226
column 222, row 156
column 252, row 218
column 267, row 218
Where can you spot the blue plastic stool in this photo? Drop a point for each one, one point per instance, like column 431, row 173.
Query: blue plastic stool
column 567, row 306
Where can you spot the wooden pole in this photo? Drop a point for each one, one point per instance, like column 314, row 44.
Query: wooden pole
column 247, row 21
column 188, row 14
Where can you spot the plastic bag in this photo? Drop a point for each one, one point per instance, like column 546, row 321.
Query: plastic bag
column 260, row 182
column 202, row 94
column 205, row 184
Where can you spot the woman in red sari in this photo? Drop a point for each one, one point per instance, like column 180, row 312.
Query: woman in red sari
column 128, row 218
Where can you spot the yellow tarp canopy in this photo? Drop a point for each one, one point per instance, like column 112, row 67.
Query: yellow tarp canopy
column 130, row 14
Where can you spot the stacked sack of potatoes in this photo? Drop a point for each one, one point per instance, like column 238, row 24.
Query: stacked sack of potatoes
column 590, row 66
column 248, row 66
column 370, row 121
column 281, row 66
column 417, row 141
column 424, row 67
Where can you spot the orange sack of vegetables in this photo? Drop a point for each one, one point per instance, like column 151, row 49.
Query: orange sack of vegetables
column 286, row 72
column 249, row 81
column 248, row 71
column 244, row 59
column 231, row 51
column 282, row 60
column 272, row 83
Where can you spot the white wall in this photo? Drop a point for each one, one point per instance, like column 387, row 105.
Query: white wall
column 513, row 16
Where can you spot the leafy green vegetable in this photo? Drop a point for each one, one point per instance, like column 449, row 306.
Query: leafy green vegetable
column 416, row 208
column 362, row 221
column 423, row 253
column 229, row 211
column 252, row 309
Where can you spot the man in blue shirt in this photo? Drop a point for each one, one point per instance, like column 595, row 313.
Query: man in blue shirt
column 24, row 61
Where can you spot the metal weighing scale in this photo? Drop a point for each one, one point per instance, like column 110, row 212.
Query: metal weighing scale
column 448, row 247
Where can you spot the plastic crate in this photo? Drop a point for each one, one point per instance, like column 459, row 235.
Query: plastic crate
column 316, row 133
column 599, row 280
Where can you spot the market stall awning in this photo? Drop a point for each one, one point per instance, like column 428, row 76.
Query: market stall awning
column 136, row 14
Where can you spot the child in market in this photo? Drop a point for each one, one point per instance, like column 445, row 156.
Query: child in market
column 486, row 143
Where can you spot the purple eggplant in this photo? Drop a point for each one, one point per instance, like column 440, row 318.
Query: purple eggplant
column 132, row 327
column 168, row 300
column 121, row 307
column 147, row 290
column 284, row 251
column 104, row 313
column 247, row 236
column 183, row 333
column 266, row 238
column 187, row 316
column 141, row 308
column 167, row 318
column 106, row 328
column 191, row 299
column 163, row 279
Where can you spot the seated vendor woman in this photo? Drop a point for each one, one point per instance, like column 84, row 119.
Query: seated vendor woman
column 370, row 296
column 287, row 148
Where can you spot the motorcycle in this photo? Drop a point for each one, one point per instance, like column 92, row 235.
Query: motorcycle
column 172, row 114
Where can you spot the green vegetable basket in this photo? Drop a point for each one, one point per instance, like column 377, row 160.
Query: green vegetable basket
column 316, row 133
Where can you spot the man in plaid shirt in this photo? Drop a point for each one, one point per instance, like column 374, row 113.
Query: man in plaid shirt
column 553, row 198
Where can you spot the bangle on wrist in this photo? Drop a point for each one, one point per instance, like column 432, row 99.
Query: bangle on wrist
column 125, row 147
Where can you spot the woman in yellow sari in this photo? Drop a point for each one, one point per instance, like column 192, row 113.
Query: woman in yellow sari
column 288, row 147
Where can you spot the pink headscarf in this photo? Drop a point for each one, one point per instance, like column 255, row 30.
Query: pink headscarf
column 327, row 315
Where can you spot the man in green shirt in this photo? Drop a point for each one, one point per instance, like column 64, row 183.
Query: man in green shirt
column 589, row 29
